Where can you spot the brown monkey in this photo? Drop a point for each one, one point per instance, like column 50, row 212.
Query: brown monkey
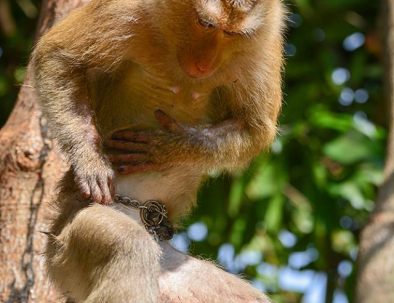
column 213, row 69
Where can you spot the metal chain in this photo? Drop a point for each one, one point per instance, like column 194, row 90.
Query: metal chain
column 153, row 215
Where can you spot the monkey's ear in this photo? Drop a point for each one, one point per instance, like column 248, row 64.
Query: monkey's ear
column 168, row 123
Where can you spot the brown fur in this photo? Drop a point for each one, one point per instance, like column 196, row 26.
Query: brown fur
column 109, row 66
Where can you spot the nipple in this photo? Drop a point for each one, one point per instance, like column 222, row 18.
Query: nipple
column 195, row 96
column 175, row 89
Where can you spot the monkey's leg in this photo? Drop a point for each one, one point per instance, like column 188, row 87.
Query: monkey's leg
column 104, row 256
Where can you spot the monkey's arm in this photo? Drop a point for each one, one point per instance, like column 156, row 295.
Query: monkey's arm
column 86, row 39
column 253, row 103
column 227, row 145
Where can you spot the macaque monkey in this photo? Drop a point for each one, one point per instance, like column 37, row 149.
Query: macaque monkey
column 145, row 97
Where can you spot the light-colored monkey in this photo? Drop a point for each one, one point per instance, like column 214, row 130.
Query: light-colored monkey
column 197, row 84
column 184, row 279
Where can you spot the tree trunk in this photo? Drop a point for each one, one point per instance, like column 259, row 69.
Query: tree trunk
column 376, row 257
column 29, row 168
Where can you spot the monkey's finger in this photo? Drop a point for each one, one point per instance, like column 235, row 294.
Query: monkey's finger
column 111, row 187
column 167, row 122
column 133, row 136
column 105, row 191
column 84, row 188
column 95, row 192
column 126, row 145
column 127, row 158
column 139, row 168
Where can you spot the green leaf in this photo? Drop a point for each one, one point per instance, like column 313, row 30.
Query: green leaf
column 236, row 194
column 343, row 241
column 268, row 180
column 322, row 118
column 351, row 192
column 274, row 214
column 303, row 219
column 351, row 148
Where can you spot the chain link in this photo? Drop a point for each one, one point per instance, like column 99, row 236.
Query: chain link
column 153, row 215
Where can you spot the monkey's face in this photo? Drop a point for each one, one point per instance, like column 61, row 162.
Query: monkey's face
column 213, row 31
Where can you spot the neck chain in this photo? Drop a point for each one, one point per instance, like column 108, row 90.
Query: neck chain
column 153, row 215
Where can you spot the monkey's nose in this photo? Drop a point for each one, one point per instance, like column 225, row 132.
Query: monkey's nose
column 199, row 70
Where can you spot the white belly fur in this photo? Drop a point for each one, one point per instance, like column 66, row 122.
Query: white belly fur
column 176, row 188
column 147, row 186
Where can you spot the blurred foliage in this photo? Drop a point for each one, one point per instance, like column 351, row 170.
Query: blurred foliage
column 17, row 30
column 291, row 222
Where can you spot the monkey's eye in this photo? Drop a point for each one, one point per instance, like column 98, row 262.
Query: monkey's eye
column 245, row 34
column 206, row 23
column 232, row 33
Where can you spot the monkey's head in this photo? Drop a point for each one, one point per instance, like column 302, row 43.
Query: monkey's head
column 204, row 35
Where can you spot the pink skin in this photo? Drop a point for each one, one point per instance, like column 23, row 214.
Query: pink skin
column 134, row 146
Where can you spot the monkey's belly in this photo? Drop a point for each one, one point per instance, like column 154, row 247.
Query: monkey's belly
column 133, row 100
column 176, row 188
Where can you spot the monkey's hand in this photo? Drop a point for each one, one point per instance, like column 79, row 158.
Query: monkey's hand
column 95, row 181
column 157, row 150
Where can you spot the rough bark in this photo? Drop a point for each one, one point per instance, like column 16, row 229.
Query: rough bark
column 29, row 168
column 376, row 258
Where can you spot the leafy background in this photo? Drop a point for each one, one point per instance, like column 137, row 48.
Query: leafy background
column 291, row 222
